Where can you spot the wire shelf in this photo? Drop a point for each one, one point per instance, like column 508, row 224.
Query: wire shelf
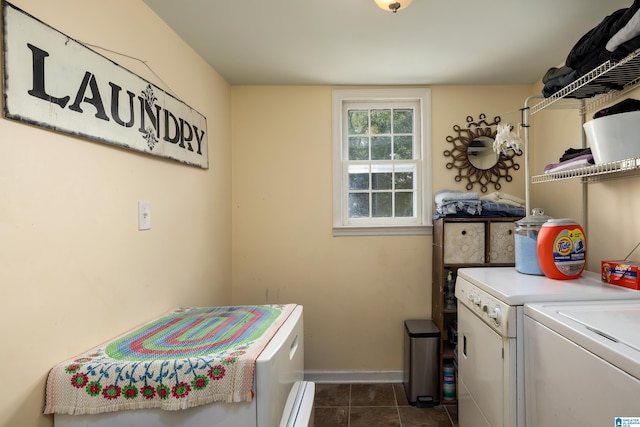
column 590, row 92
column 596, row 173
column 599, row 85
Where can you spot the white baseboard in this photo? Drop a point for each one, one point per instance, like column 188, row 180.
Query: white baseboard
column 350, row 377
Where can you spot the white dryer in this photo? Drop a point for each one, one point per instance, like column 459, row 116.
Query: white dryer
column 582, row 363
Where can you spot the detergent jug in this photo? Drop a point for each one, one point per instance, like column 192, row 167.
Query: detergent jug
column 562, row 249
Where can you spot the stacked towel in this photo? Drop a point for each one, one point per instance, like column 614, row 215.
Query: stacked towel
column 454, row 202
column 575, row 163
column 499, row 204
column 450, row 196
column 459, row 204
column 572, row 153
column 504, row 198
column 492, row 209
column 573, row 158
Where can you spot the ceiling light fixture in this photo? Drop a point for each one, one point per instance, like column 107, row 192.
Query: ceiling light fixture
column 393, row 5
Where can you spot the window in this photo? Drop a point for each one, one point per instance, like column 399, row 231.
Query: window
column 381, row 153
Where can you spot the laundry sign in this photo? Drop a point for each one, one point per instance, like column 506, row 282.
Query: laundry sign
column 53, row 81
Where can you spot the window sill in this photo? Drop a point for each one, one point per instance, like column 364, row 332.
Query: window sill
column 421, row 230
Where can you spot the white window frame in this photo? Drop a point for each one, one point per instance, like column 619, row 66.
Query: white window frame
column 422, row 224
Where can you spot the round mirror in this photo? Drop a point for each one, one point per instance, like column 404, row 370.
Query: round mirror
column 473, row 156
column 480, row 153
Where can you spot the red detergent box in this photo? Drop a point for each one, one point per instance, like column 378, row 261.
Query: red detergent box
column 621, row 273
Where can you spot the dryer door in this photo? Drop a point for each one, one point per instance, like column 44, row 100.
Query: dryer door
column 481, row 370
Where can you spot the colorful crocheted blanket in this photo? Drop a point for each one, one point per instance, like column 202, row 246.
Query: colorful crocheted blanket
column 190, row 357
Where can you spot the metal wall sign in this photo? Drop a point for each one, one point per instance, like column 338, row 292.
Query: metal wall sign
column 53, row 81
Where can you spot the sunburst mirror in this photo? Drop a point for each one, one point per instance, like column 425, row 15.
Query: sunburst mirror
column 473, row 156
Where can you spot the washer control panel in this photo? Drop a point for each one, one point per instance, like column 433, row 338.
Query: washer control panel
column 495, row 313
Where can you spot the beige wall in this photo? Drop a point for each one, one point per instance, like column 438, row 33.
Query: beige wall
column 74, row 270
column 357, row 291
column 611, row 207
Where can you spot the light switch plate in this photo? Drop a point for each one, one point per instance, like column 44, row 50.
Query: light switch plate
column 144, row 215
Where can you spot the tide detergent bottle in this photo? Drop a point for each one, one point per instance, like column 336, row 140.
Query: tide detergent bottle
column 562, row 249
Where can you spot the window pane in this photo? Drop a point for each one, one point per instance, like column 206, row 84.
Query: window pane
column 358, row 181
column 380, row 121
column 358, row 148
column 381, row 181
column 381, row 148
column 403, row 147
column 381, row 205
column 358, row 122
column 402, row 121
column 404, row 205
column 404, row 181
column 359, row 205
column 381, row 177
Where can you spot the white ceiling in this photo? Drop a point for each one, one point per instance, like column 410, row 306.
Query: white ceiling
column 353, row 42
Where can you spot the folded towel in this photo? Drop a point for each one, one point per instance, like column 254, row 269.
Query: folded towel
column 504, row 198
column 470, row 207
column 572, row 153
column 448, row 196
column 578, row 162
column 502, row 209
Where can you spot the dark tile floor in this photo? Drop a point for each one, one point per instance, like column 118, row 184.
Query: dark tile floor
column 375, row 405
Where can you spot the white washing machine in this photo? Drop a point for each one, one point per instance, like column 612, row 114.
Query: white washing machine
column 582, row 364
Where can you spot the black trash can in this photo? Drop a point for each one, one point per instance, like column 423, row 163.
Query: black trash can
column 421, row 379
